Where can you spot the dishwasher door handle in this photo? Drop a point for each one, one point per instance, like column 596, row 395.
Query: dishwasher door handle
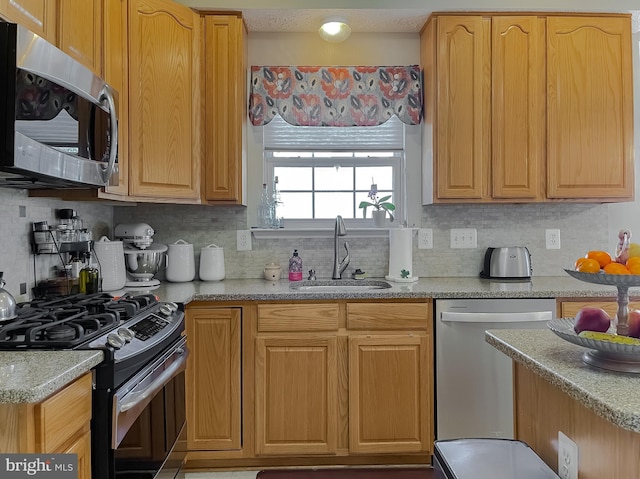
column 457, row 317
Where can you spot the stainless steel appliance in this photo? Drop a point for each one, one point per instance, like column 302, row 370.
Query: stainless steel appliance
column 474, row 387
column 510, row 262
column 58, row 119
column 139, row 393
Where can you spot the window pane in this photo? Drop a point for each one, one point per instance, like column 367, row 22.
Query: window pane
column 330, row 205
column 295, row 205
column 334, row 178
column 382, row 176
column 293, row 178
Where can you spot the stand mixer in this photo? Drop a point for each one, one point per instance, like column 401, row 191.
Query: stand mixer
column 143, row 258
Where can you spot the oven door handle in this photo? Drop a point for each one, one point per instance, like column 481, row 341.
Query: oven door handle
column 177, row 367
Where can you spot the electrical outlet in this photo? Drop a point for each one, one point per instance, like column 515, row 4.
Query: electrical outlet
column 567, row 457
column 552, row 239
column 243, row 240
column 463, row 238
column 425, row 238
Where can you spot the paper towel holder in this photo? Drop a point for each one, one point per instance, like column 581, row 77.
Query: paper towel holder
column 400, row 255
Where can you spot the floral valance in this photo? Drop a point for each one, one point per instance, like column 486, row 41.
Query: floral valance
column 335, row 96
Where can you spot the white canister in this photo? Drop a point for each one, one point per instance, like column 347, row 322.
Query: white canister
column 110, row 259
column 211, row 263
column 180, row 262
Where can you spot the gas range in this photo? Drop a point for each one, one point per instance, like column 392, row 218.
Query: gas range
column 128, row 327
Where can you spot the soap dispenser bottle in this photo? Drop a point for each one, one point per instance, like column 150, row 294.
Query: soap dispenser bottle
column 295, row 267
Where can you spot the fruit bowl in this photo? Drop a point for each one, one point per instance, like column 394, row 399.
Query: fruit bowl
column 601, row 354
column 628, row 280
column 563, row 327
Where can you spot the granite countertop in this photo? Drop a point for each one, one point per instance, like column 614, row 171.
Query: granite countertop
column 612, row 395
column 437, row 288
column 31, row 376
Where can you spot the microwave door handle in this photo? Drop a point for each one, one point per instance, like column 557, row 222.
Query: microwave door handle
column 457, row 317
column 113, row 151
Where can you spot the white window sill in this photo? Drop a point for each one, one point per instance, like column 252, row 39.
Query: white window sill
column 278, row 233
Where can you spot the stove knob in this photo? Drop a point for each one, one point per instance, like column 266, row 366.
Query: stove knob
column 126, row 334
column 167, row 309
column 115, row 340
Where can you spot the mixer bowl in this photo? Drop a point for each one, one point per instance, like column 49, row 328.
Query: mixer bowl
column 142, row 265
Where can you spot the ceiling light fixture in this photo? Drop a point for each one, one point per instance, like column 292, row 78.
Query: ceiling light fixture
column 335, row 30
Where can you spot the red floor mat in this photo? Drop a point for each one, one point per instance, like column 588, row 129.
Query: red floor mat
column 348, row 473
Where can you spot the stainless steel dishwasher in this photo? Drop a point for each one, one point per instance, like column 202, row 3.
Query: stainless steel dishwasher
column 474, row 385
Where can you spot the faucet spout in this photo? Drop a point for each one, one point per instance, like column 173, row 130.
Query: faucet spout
column 339, row 266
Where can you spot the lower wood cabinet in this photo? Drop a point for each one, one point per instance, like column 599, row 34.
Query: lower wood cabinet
column 309, row 383
column 48, row 426
column 296, row 381
column 389, row 384
column 213, row 379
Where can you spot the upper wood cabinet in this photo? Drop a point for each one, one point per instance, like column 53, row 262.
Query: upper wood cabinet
column 225, row 109
column 164, row 99
column 590, row 108
column 39, row 16
column 80, row 31
column 115, row 71
column 522, row 108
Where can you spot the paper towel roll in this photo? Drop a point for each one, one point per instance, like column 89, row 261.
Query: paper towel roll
column 400, row 255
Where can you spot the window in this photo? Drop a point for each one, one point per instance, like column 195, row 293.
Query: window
column 323, row 172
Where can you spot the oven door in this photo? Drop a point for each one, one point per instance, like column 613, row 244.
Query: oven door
column 148, row 420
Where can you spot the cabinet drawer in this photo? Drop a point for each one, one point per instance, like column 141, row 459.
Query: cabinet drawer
column 388, row 316
column 298, row 317
column 61, row 416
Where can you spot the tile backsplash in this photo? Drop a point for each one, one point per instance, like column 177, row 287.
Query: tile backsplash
column 18, row 212
column 582, row 227
column 497, row 225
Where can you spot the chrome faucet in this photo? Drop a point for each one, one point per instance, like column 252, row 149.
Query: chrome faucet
column 339, row 266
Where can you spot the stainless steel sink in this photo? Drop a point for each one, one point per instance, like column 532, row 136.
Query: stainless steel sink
column 339, row 285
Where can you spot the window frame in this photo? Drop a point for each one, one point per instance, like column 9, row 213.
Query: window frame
column 397, row 162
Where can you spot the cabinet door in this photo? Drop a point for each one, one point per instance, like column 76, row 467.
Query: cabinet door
column 39, row 16
column 226, row 109
column 82, row 447
column 390, row 394
column 517, row 121
column 115, row 71
column 589, row 92
column 213, row 379
column 164, row 99
column 463, row 107
column 80, row 31
column 296, row 395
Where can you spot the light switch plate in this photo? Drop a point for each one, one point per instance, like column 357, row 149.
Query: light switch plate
column 463, row 238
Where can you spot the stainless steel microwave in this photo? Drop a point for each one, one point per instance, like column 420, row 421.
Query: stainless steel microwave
column 58, row 120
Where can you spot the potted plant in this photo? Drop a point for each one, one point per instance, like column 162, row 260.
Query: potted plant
column 381, row 206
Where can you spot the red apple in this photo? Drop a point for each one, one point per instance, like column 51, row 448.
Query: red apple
column 633, row 320
column 592, row 319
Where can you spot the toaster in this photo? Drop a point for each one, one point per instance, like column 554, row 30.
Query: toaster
column 509, row 262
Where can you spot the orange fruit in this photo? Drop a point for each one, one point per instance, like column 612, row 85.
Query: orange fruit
column 634, row 268
column 616, row 268
column 632, row 261
column 578, row 262
column 602, row 257
column 589, row 266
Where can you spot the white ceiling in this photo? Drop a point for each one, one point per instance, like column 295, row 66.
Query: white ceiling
column 395, row 16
